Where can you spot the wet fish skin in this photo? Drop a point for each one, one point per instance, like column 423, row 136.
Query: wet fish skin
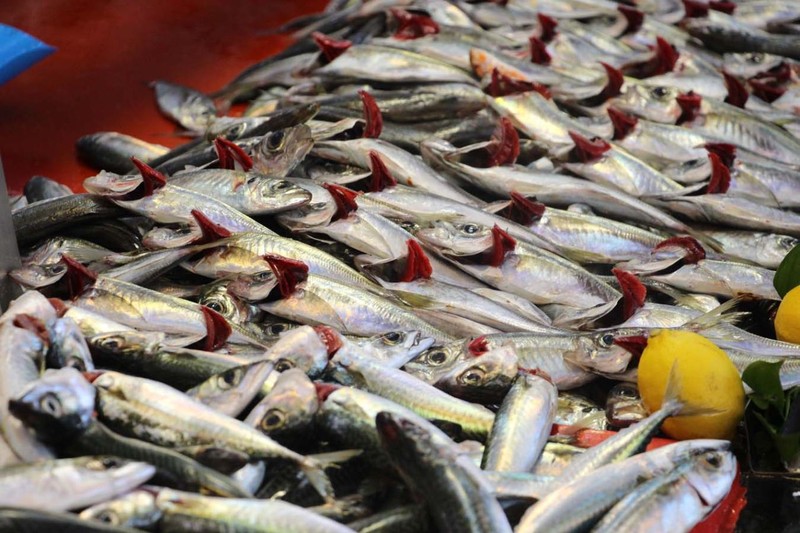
column 112, row 151
column 136, row 510
column 232, row 390
column 191, row 109
column 39, row 188
column 287, row 412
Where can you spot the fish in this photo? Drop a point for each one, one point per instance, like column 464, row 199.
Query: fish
column 112, row 151
column 136, row 509
column 190, row 109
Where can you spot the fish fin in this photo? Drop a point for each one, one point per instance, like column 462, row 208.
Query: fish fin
column 381, row 177
column 78, row 276
column 211, row 232
column 315, row 473
column 522, row 210
column 217, row 329
column 418, row 266
column 412, row 25
column 613, row 86
column 547, row 27
column 690, row 106
column 504, row 146
column 345, row 200
column 720, row 175
column 666, row 56
column 719, row 314
column 415, row 300
column 333, row 459
column 633, row 17
column 737, row 92
column 633, row 292
column 590, row 421
column 152, row 178
column 330, row 48
column 289, row 272
column 588, row 150
column 230, row 153
column 539, row 53
column 372, row 116
column 623, row 123
column 725, row 151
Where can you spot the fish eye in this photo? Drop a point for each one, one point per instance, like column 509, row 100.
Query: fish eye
column 58, row 268
column 318, row 206
column 110, row 462
column 393, row 337
column 409, row 226
column 276, row 329
column 713, row 459
column 275, row 140
column 50, row 404
column 756, row 58
column 281, row 185
column 470, row 229
column 263, row 276
column 436, row 358
column 273, row 419
column 112, row 343
column 228, row 379
column 215, row 306
column 235, row 131
column 252, row 179
column 472, row 376
column 107, row 516
column 659, row 92
column 787, row 242
column 283, row 365
column 607, row 340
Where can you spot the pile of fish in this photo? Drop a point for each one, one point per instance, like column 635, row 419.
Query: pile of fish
column 393, row 292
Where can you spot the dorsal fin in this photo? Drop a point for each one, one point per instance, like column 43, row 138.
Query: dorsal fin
column 229, row 153
column 381, row 177
column 588, row 150
column 330, row 48
column 478, row 346
column 345, row 200
column 694, row 250
column 769, row 92
column 720, row 175
column 690, row 106
column 502, row 85
column 635, row 344
column 737, row 92
column 522, row 210
column 504, row 147
column 547, row 26
column 32, row 324
column 725, row 151
column 372, row 116
column 502, row 243
column 288, row 272
column 418, row 266
column 666, row 56
column 623, row 123
column 78, row 276
column 217, row 329
column 722, row 6
column 695, row 9
column 633, row 292
column 211, row 231
column 152, row 178
column 539, row 53
column 330, row 338
column 633, row 17
column 412, row 25
column 324, row 390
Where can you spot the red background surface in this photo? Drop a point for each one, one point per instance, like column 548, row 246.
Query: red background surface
column 108, row 52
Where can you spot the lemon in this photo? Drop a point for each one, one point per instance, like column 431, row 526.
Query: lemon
column 705, row 379
column 787, row 319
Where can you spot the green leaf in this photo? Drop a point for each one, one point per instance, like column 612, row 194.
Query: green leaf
column 764, row 378
column 787, row 277
column 788, row 445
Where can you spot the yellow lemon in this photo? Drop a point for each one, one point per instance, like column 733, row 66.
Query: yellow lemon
column 704, row 379
column 787, row 319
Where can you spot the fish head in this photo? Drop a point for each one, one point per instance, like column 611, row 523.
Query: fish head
column 122, row 343
column 274, row 330
column 397, row 345
column 253, row 286
column 263, row 194
column 136, row 510
column 280, row 151
column 290, row 407
column 218, row 298
column 305, row 347
column 600, row 352
column 68, row 345
column 712, row 474
column 624, row 405
column 750, row 64
column 318, row 211
column 111, row 184
column 657, row 102
column 485, row 377
column 436, row 361
column 457, row 238
column 59, row 403
column 35, row 276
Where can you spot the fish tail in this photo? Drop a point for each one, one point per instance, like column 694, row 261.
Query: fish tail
column 315, row 473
